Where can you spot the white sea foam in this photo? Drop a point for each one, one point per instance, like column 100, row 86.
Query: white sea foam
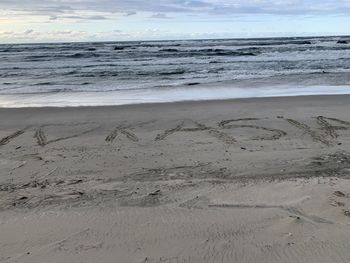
column 127, row 97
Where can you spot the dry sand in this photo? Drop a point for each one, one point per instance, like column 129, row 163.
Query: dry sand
column 255, row 180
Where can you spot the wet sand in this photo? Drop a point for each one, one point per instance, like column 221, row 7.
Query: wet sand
column 251, row 180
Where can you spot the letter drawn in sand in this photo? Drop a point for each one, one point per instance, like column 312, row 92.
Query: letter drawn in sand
column 127, row 133
column 10, row 137
column 330, row 129
column 41, row 136
column 197, row 128
column 307, row 129
column 276, row 134
column 329, row 136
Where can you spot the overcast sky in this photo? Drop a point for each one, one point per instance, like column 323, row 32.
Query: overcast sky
column 92, row 20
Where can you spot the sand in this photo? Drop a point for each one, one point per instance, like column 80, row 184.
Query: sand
column 252, row 180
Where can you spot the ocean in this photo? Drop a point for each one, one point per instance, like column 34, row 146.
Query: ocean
column 117, row 73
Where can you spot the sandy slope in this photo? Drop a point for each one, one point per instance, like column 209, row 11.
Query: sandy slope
column 257, row 180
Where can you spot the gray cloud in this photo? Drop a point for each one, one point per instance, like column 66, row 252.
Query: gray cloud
column 160, row 16
column 58, row 8
column 73, row 35
column 130, row 13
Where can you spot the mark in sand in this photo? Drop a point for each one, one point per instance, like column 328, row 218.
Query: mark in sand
column 197, row 127
column 277, row 134
column 42, row 139
column 130, row 135
column 289, row 209
column 307, row 129
column 331, row 129
column 8, row 138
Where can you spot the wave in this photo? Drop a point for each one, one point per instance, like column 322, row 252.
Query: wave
column 169, row 50
column 204, row 52
column 131, row 65
column 44, row 84
column 50, row 57
column 175, row 72
column 255, row 51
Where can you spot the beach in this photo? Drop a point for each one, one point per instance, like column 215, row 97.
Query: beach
column 244, row 180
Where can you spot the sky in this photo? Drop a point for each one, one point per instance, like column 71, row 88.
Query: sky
column 23, row 21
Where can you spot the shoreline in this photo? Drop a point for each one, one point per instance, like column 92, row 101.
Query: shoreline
column 286, row 86
column 248, row 99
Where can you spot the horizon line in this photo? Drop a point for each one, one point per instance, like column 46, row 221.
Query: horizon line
column 174, row 39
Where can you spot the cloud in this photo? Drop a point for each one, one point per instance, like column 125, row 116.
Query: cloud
column 30, row 35
column 27, row 32
column 131, row 7
column 160, row 16
column 36, row 36
column 130, row 13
